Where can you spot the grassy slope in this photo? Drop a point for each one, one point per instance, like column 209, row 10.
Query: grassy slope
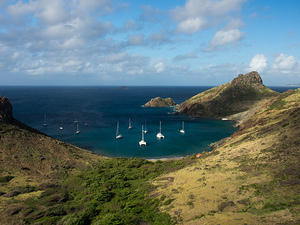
column 46, row 181
column 251, row 178
column 225, row 100
column 29, row 160
column 28, row 152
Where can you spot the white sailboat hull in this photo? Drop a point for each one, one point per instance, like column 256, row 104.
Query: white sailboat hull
column 119, row 136
column 160, row 136
column 142, row 143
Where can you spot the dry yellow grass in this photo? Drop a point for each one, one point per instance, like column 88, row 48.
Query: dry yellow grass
column 235, row 183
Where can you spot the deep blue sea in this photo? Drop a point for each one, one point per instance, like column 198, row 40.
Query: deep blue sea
column 97, row 110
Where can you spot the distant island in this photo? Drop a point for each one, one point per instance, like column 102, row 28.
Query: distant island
column 293, row 85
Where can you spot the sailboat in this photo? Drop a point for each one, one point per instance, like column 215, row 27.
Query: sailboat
column 61, row 126
column 118, row 135
column 77, row 130
column 145, row 130
column 142, row 142
column 45, row 121
column 182, row 129
column 129, row 124
column 160, row 135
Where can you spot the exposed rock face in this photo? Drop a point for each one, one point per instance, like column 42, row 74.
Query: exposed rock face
column 5, row 110
column 251, row 78
column 160, row 102
column 236, row 96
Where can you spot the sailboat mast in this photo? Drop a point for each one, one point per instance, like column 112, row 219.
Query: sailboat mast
column 182, row 125
column 117, row 131
column 142, row 133
column 159, row 126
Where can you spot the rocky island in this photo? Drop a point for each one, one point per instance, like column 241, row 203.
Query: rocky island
column 160, row 102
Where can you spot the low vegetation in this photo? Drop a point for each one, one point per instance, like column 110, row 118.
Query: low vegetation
column 116, row 191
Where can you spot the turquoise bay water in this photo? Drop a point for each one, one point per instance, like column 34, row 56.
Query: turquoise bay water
column 99, row 108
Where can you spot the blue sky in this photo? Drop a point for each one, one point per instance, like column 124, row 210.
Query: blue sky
column 114, row 42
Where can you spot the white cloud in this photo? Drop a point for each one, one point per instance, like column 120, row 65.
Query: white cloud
column 258, row 63
column 284, row 63
column 224, row 37
column 48, row 11
column 196, row 15
column 191, row 25
column 73, row 43
column 51, row 11
column 159, row 67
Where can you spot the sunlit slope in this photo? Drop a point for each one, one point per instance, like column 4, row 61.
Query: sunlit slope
column 236, row 96
column 250, row 178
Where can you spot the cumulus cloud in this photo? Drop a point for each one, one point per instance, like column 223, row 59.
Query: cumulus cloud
column 225, row 37
column 159, row 67
column 284, row 63
column 56, row 36
column 48, row 11
column 191, row 25
column 196, row 15
column 258, row 63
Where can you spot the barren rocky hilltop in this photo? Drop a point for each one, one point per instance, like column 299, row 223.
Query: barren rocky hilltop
column 251, row 177
column 236, row 96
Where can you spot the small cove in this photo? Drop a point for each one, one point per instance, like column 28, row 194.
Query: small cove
column 99, row 108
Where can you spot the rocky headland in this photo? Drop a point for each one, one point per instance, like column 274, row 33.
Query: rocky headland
column 5, row 110
column 160, row 102
column 237, row 96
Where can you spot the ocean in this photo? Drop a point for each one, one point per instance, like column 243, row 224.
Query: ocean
column 98, row 109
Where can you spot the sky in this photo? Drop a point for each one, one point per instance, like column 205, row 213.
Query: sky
column 143, row 42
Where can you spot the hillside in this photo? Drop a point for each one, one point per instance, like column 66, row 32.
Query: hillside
column 46, row 181
column 251, row 177
column 26, row 151
column 30, row 161
column 236, row 96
